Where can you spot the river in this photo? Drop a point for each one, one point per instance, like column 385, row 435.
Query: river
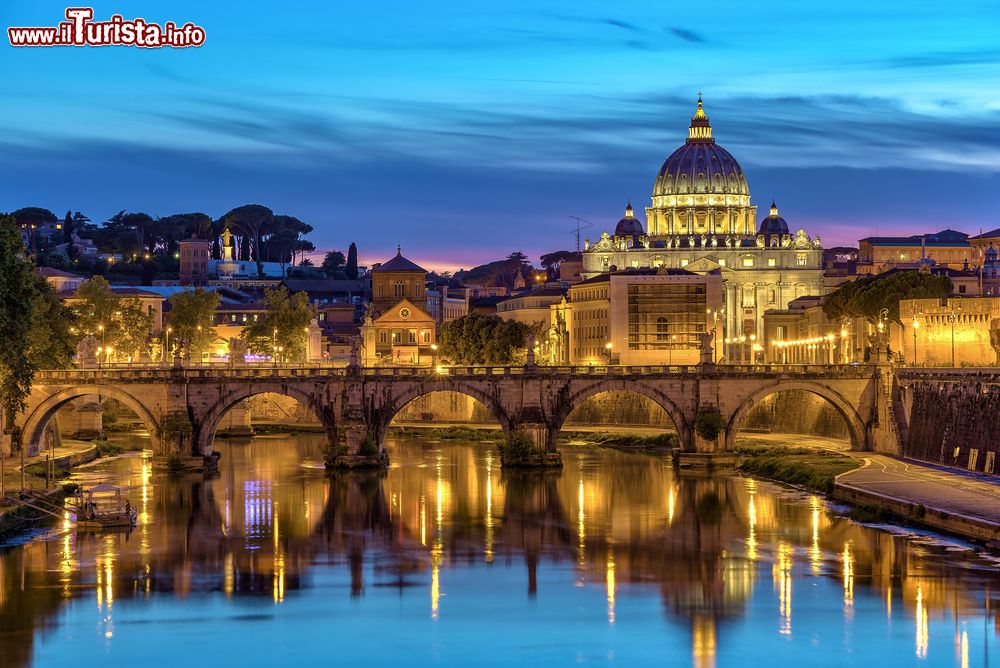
column 447, row 560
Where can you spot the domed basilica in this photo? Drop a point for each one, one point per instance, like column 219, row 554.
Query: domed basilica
column 701, row 219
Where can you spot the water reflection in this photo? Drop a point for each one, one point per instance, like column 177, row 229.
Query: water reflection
column 579, row 560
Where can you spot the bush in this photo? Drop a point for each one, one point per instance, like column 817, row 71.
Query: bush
column 368, row 447
column 174, row 463
column 870, row 513
column 709, row 424
column 106, row 448
column 516, row 449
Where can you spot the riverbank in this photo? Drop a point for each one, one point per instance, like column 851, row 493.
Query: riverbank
column 620, row 438
column 810, row 467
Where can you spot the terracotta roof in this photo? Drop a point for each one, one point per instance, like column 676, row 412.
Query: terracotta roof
column 49, row 272
column 399, row 263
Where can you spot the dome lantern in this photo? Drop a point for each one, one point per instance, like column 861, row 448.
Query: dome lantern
column 700, row 129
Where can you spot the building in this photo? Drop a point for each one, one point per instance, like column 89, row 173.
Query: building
column 637, row 317
column 63, row 282
column 533, row 308
column 946, row 248
column 802, row 334
column 701, row 219
column 194, row 256
column 446, row 304
column 950, row 332
column 397, row 328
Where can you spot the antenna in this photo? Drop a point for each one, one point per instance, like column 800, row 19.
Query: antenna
column 581, row 224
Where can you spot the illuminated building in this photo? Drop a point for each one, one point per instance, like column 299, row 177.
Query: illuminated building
column 946, row 248
column 194, row 255
column 701, row 219
column 637, row 316
column 949, row 332
column 398, row 328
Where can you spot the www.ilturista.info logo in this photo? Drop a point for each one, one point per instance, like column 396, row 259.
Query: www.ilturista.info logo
column 81, row 30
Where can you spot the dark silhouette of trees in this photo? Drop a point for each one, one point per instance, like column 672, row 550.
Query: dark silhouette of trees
column 352, row 261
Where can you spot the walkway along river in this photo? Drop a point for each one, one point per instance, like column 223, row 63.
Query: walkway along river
column 444, row 559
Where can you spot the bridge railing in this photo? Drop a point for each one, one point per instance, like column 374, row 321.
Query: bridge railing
column 135, row 373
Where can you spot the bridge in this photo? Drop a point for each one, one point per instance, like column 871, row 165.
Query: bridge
column 182, row 407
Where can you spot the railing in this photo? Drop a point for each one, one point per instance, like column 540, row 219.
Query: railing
column 140, row 373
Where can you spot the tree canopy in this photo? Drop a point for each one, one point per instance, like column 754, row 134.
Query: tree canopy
column 483, row 339
column 867, row 296
column 19, row 292
column 114, row 320
column 284, row 324
column 192, row 317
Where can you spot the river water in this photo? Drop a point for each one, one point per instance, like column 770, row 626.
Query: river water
column 447, row 560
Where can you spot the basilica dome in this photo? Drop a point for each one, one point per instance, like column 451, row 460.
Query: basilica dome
column 773, row 224
column 629, row 226
column 700, row 166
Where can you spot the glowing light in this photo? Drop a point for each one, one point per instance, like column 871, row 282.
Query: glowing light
column 752, row 517
column 671, row 504
column 815, row 553
column 581, row 531
column 848, row 577
column 921, row 621
column 610, row 582
column 782, row 575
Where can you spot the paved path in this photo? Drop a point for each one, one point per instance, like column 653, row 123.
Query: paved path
column 938, row 488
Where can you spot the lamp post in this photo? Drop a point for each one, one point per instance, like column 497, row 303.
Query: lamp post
column 607, row 351
column 916, row 326
column 743, row 348
column 752, row 353
column 166, row 344
column 434, row 355
column 104, row 337
column 843, row 344
column 305, row 348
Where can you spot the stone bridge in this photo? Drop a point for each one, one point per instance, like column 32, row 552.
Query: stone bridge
column 183, row 407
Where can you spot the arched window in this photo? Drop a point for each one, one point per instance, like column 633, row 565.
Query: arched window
column 748, row 296
column 400, row 289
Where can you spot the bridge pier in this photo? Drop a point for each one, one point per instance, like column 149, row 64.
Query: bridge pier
column 542, row 437
column 356, row 446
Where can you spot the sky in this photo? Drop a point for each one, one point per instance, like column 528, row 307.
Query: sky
column 463, row 131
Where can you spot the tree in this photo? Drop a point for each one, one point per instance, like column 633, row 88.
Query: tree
column 31, row 218
column 352, row 262
column 481, row 339
column 116, row 321
column 867, row 296
column 192, row 317
column 18, row 296
column 333, row 261
column 284, row 325
column 53, row 336
column 252, row 221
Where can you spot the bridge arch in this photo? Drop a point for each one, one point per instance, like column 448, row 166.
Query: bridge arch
column 855, row 425
column 397, row 402
column 37, row 419
column 207, row 426
column 576, row 399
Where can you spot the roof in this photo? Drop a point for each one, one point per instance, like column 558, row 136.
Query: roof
column 49, row 272
column 134, row 292
column 324, row 285
column 399, row 263
column 645, row 271
column 942, row 238
column 992, row 234
column 492, row 300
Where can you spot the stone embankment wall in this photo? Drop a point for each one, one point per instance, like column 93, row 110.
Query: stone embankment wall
column 955, row 424
column 796, row 412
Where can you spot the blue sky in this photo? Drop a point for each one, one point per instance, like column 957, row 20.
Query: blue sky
column 464, row 131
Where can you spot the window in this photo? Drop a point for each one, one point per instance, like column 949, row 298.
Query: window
column 400, row 289
column 771, row 262
column 961, row 289
column 748, row 262
column 722, row 262
column 232, row 318
column 425, row 336
column 684, row 263
column 661, row 329
column 383, row 337
column 748, row 296
column 800, row 260
column 411, row 336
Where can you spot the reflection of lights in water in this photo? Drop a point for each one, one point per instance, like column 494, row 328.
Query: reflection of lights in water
column 888, row 602
column 279, row 578
column 423, row 520
column 848, row 576
column 228, row 574
column 703, row 642
column 489, row 509
column 815, row 553
column 610, row 581
column 781, row 572
column 435, row 588
column 752, row 532
column 581, row 526
column 671, row 504
column 258, row 508
column 921, row 621
column 963, row 648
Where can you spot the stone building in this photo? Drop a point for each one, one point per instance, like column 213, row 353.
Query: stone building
column 945, row 248
column 637, row 317
column 950, row 332
column 398, row 329
column 194, row 257
column 701, row 219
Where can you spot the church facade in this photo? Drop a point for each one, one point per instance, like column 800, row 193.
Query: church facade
column 701, row 219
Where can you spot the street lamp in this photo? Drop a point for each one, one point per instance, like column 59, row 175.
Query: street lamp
column 108, row 352
column 434, row 354
column 305, row 348
column 753, row 354
column 607, row 351
column 916, row 326
column 743, row 341
column 104, row 338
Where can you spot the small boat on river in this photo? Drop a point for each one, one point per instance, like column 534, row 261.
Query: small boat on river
column 104, row 507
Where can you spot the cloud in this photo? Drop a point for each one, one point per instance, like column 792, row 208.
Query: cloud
column 687, row 35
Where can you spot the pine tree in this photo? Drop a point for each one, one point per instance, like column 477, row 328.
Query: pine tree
column 352, row 261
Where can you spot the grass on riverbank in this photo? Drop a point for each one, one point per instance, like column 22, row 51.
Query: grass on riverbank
column 623, row 441
column 807, row 467
column 449, row 433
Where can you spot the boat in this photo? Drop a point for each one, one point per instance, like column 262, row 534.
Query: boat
column 104, row 507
